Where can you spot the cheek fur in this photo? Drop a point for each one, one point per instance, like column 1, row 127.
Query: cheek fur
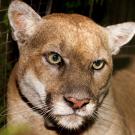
column 32, row 87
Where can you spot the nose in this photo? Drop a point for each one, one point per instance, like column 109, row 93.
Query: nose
column 76, row 103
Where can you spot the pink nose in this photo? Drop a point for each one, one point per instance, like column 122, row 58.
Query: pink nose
column 76, row 103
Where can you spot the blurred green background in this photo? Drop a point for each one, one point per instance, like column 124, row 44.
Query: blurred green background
column 104, row 12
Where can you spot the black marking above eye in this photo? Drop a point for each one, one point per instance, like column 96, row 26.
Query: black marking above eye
column 98, row 64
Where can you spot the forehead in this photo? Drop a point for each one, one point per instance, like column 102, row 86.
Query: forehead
column 70, row 32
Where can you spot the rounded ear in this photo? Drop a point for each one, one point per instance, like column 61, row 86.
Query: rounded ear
column 22, row 18
column 119, row 35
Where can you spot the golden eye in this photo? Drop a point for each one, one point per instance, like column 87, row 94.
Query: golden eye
column 98, row 64
column 54, row 58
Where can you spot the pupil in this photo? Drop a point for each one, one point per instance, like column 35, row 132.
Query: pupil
column 98, row 63
column 55, row 57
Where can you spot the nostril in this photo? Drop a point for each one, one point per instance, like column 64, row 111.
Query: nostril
column 76, row 103
column 70, row 103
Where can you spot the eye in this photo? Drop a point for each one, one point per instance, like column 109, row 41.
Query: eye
column 54, row 58
column 98, row 64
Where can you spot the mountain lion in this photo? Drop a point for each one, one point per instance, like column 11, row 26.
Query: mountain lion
column 61, row 83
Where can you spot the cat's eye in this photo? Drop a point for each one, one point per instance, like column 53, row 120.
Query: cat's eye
column 54, row 58
column 98, row 64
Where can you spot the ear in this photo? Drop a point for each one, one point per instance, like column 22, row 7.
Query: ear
column 23, row 19
column 120, row 35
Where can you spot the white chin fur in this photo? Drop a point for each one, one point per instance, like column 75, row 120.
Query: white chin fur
column 70, row 121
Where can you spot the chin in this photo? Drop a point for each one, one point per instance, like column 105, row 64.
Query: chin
column 70, row 122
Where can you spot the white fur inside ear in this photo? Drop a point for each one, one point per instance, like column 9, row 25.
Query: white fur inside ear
column 22, row 18
column 120, row 35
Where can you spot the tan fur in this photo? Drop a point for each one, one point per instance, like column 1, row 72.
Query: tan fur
column 124, row 94
column 80, row 42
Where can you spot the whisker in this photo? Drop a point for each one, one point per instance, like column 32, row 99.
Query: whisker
column 108, row 120
column 109, row 111
column 3, row 113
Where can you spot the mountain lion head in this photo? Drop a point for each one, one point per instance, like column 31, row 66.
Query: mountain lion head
column 65, row 63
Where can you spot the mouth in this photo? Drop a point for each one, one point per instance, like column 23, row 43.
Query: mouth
column 71, row 120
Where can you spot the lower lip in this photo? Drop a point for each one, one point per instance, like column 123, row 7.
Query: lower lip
column 73, row 114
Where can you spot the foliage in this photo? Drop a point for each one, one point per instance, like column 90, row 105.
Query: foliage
column 16, row 130
column 5, row 20
column 5, row 66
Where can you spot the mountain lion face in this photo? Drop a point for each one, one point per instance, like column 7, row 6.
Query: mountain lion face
column 65, row 63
